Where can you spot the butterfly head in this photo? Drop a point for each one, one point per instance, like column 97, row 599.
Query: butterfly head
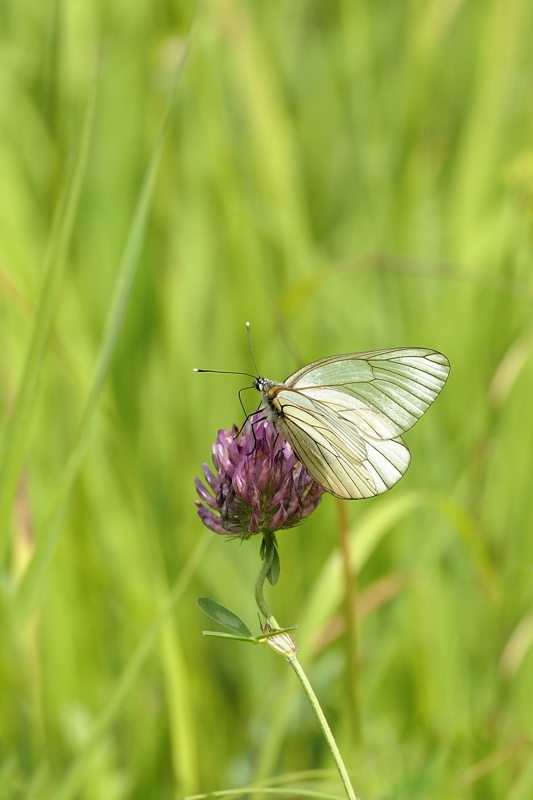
column 263, row 385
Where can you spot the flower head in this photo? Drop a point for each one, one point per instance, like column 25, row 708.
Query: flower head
column 259, row 484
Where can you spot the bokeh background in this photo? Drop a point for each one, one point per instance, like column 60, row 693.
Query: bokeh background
column 347, row 175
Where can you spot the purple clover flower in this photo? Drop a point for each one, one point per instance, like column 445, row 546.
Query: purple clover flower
column 259, row 486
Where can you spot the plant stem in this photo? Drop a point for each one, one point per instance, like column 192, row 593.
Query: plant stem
column 268, row 556
column 326, row 730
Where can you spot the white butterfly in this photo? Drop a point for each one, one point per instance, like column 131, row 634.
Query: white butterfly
column 344, row 415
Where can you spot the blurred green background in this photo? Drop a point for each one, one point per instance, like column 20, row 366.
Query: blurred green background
column 347, row 175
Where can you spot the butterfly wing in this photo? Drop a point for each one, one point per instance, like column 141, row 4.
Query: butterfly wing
column 344, row 415
column 383, row 391
column 341, row 460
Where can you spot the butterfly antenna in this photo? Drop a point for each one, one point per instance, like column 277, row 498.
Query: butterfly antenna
column 251, row 348
column 224, row 372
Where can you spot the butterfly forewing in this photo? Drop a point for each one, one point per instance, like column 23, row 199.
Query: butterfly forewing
column 391, row 388
column 343, row 415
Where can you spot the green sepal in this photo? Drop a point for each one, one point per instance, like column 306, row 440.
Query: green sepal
column 224, row 617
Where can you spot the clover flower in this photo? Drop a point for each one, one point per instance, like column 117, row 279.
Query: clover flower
column 259, row 486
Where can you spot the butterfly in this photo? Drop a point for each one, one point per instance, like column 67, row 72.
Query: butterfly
column 344, row 415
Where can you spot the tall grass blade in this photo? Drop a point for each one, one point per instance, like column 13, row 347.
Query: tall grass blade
column 14, row 444
column 179, row 709
column 74, row 776
column 36, row 572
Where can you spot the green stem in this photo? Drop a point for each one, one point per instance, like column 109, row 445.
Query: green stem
column 268, row 549
column 326, row 730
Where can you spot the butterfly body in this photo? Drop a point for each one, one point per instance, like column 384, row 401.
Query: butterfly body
column 344, row 415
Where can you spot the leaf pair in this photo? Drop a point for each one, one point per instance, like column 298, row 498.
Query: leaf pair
column 226, row 618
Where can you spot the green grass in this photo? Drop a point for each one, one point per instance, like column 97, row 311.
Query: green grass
column 346, row 176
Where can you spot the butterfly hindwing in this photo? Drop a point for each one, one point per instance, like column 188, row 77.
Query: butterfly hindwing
column 345, row 462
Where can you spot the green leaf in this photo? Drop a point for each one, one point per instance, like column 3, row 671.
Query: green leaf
column 275, row 569
column 222, row 635
column 224, row 617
